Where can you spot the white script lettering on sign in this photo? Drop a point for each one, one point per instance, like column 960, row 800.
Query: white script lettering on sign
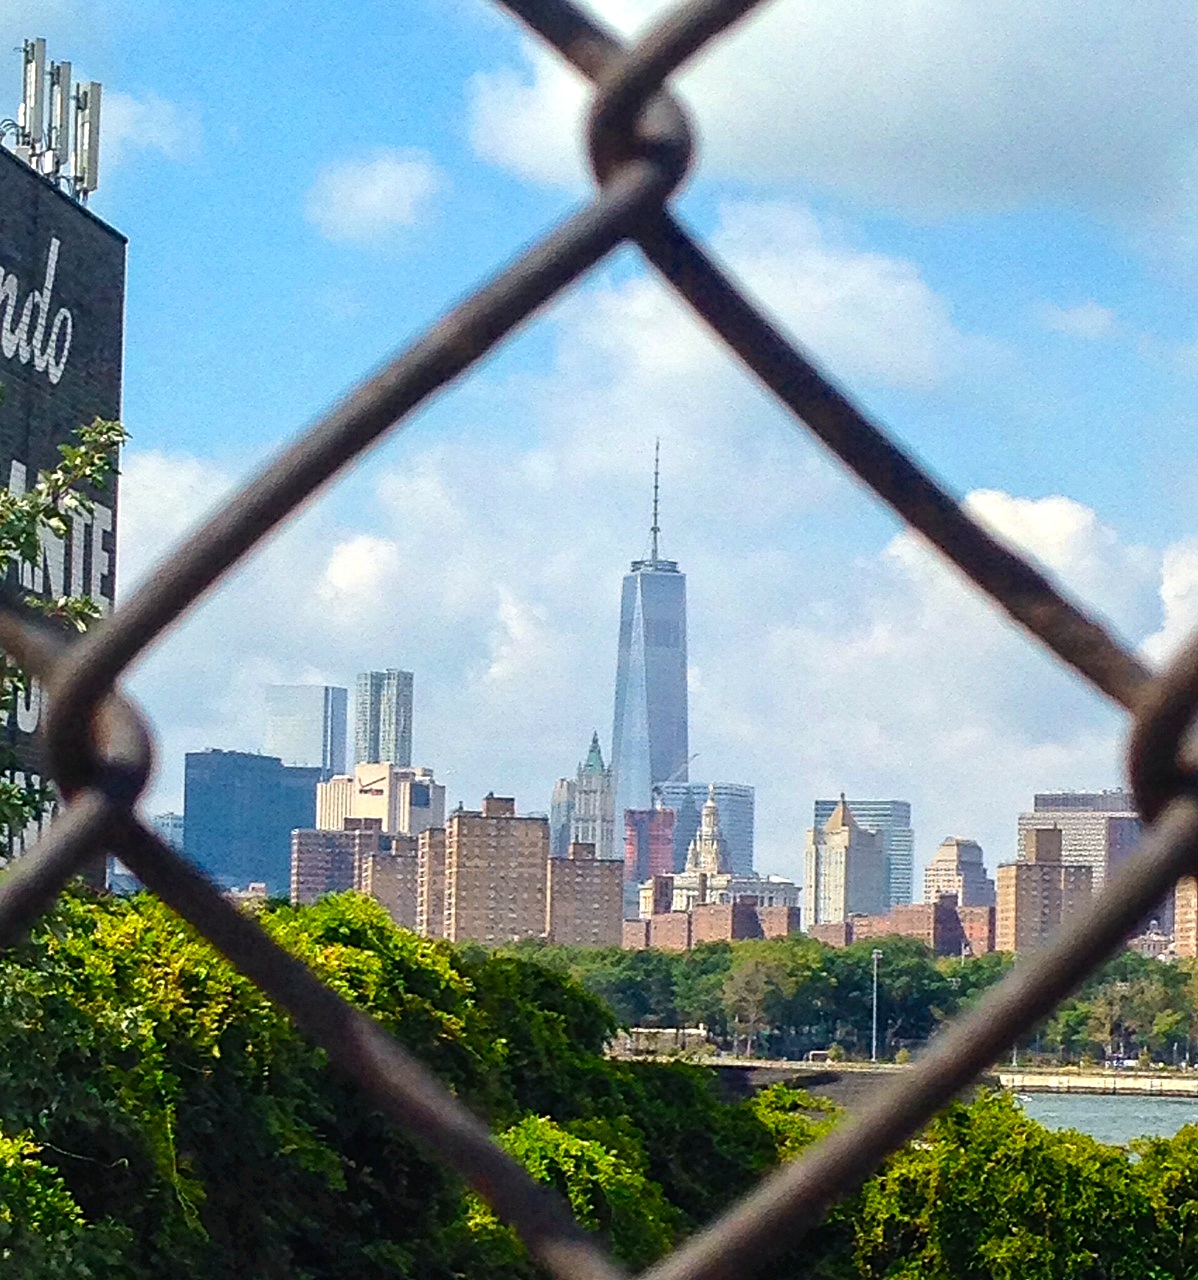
column 26, row 338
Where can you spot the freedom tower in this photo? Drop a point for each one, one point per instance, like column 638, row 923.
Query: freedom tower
column 649, row 734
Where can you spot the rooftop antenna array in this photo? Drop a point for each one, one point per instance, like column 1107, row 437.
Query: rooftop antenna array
column 57, row 129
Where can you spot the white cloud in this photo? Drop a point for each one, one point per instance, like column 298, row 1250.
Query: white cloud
column 1087, row 320
column 369, row 198
column 152, row 123
column 926, row 105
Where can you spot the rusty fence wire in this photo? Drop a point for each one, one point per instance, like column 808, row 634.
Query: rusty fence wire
column 99, row 748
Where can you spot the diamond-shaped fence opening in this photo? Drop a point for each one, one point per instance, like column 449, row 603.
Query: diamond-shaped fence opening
column 99, row 748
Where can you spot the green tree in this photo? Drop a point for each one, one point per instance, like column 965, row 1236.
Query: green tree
column 43, row 1233
column 606, row 1188
column 45, row 511
column 987, row 1194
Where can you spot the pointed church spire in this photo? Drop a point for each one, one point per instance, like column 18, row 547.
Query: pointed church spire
column 655, row 529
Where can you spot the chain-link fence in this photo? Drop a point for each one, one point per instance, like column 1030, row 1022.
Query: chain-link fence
column 99, row 748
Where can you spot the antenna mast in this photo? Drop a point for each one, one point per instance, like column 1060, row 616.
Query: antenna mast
column 656, row 528
column 45, row 144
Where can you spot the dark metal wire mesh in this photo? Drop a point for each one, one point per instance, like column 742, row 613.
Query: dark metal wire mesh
column 99, row 748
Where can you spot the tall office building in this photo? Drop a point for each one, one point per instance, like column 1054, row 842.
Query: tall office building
column 957, row 868
column 1099, row 829
column 649, row 732
column 239, row 811
column 383, row 717
column 736, row 804
column 891, row 819
column 305, row 726
column 844, row 869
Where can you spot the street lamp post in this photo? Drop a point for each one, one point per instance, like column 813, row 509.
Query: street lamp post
column 873, row 1053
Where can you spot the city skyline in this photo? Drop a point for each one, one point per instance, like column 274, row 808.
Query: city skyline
column 987, row 317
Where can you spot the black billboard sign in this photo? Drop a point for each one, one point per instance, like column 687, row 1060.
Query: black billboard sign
column 62, row 304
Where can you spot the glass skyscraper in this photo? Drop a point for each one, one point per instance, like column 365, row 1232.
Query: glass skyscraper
column 239, row 811
column 892, row 820
column 305, row 726
column 649, row 733
column 735, row 802
column 383, row 718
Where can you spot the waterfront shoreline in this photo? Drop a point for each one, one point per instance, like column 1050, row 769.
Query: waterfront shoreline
column 1143, row 1084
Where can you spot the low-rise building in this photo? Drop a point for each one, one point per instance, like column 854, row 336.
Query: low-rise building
column 942, row 926
column 361, row 857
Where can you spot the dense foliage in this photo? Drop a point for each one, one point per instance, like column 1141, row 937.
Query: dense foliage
column 29, row 520
column 787, row 996
column 159, row 1117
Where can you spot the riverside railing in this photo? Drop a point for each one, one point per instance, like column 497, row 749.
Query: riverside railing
column 99, row 748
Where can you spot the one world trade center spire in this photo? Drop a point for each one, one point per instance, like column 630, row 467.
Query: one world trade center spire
column 649, row 733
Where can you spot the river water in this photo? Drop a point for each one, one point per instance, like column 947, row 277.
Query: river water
column 1111, row 1119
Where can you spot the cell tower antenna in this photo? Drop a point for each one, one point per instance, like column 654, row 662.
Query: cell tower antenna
column 46, row 144
column 656, row 528
column 32, row 116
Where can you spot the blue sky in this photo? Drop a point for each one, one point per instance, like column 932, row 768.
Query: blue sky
column 982, row 221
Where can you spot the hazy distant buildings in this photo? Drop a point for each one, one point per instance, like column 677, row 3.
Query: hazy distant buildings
column 736, row 803
column 383, row 717
column 649, row 731
column 844, row 868
column 239, row 811
column 407, row 801
column 561, row 817
column 892, row 820
column 1099, row 829
column 957, row 868
column 305, row 726
column 583, row 809
column 713, row 922
column 648, row 844
column 1037, row 894
column 170, row 827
